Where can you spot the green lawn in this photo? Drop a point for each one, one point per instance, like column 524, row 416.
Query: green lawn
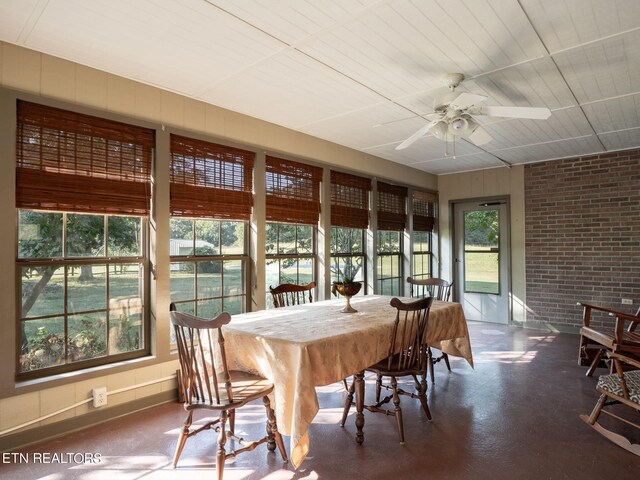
column 482, row 272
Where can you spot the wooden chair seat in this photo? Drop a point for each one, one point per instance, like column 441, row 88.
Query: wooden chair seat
column 619, row 388
column 613, row 385
column 245, row 387
column 382, row 368
column 607, row 337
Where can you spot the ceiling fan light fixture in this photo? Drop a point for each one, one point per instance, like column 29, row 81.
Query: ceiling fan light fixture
column 439, row 130
column 458, row 126
column 472, row 125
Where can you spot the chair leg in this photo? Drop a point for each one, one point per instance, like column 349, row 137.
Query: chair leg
column 345, row 385
column 430, row 362
column 232, row 420
column 593, row 418
column 397, row 409
column 347, row 402
column 378, row 387
column 275, row 439
column 221, row 454
column 595, row 362
column 446, row 360
column 422, row 395
column 184, row 434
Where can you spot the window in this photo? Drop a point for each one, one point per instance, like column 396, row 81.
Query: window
column 293, row 207
column 82, row 297
column 389, row 263
column 211, row 201
column 208, row 266
column 423, row 221
column 421, row 254
column 83, row 193
column 391, row 224
column 291, row 254
column 349, row 220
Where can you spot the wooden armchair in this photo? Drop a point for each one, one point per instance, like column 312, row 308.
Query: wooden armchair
column 407, row 357
column 290, row 294
column 617, row 388
column 439, row 289
column 617, row 338
column 205, row 387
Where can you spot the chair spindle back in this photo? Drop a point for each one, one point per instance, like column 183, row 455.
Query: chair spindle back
column 288, row 294
column 197, row 354
column 438, row 288
column 408, row 348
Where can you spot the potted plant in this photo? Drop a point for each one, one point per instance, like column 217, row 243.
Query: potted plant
column 348, row 287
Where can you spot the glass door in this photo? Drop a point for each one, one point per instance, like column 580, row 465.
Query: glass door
column 482, row 260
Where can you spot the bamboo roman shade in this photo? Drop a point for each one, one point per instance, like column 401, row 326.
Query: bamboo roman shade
column 293, row 191
column 210, row 180
column 74, row 162
column 391, row 206
column 423, row 211
column 349, row 200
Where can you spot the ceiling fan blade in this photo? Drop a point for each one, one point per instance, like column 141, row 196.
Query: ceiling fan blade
column 480, row 136
column 417, row 135
column 466, row 100
column 536, row 113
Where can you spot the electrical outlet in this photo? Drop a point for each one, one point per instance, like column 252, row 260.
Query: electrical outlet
column 627, row 301
column 99, row 397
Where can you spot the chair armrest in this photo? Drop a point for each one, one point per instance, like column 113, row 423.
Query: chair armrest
column 624, row 316
column 624, row 359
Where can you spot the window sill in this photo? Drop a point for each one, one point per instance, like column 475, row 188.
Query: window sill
column 27, row 386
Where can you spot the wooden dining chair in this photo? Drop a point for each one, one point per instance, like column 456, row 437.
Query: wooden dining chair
column 287, row 294
column 620, row 387
column 439, row 289
column 407, row 357
column 206, row 383
column 617, row 332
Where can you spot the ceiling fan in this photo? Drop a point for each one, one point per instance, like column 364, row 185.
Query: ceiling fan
column 456, row 115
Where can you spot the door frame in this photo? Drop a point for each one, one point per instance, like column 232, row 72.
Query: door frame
column 459, row 282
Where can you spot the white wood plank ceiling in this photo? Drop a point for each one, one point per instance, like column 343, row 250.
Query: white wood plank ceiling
column 364, row 73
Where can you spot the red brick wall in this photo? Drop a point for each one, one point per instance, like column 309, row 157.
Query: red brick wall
column 582, row 235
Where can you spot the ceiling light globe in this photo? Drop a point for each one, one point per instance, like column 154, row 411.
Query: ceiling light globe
column 439, row 130
column 458, row 126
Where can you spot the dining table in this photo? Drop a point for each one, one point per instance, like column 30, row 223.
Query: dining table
column 302, row 347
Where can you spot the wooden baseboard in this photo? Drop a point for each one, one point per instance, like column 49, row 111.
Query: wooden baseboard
column 46, row 432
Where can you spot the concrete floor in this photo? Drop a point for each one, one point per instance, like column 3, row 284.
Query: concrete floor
column 514, row 417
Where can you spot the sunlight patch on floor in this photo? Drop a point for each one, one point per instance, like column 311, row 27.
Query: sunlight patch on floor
column 329, row 416
column 505, row 356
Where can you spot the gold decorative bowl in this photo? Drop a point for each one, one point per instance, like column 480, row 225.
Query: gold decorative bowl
column 348, row 290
